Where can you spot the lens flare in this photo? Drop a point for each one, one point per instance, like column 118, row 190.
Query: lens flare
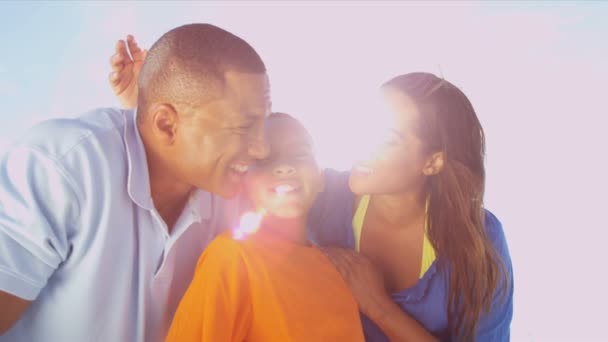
column 374, row 125
column 249, row 224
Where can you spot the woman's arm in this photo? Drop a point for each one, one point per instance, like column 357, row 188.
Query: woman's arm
column 367, row 286
column 217, row 305
column 125, row 70
column 398, row 325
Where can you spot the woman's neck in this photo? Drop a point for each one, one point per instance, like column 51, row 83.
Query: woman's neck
column 399, row 210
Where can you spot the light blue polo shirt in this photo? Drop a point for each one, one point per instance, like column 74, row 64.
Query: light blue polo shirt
column 79, row 234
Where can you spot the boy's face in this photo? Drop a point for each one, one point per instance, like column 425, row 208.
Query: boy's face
column 287, row 182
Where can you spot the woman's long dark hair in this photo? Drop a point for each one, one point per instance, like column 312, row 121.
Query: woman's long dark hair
column 448, row 124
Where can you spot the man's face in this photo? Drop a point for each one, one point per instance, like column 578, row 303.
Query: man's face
column 217, row 142
column 287, row 182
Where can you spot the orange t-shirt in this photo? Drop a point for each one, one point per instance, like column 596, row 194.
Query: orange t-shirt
column 263, row 288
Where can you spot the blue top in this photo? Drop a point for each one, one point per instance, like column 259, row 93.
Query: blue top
column 330, row 222
column 81, row 239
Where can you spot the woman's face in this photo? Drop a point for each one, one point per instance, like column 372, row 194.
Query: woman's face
column 398, row 162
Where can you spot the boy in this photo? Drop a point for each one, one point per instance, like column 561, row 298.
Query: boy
column 272, row 285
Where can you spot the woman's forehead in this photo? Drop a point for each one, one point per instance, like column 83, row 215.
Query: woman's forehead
column 404, row 112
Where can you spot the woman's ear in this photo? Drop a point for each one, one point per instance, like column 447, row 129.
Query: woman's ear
column 434, row 164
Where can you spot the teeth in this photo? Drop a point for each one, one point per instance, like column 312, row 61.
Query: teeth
column 283, row 189
column 241, row 168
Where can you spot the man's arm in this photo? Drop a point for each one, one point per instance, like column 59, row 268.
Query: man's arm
column 13, row 308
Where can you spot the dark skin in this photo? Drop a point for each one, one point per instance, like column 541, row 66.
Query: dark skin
column 203, row 145
column 194, row 145
column 393, row 230
column 290, row 166
column 13, row 307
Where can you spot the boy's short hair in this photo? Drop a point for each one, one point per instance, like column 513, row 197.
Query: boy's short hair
column 285, row 116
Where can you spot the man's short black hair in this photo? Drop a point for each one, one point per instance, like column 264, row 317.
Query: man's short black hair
column 187, row 65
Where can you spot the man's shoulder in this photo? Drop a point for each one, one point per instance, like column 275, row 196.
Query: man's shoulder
column 57, row 137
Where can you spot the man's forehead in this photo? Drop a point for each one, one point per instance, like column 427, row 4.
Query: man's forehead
column 247, row 94
column 251, row 86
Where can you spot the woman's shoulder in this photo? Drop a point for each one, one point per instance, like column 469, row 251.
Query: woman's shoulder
column 496, row 233
column 493, row 225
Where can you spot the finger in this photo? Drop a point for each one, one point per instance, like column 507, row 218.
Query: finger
column 340, row 262
column 137, row 53
column 142, row 55
column 117, row 62
column 113, row 77
column 121, row 49
column 118, row 82
column 351, row 256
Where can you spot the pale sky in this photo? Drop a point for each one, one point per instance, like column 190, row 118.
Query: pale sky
column 535, row 72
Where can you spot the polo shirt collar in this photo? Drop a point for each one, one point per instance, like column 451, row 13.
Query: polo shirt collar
column 138, row 183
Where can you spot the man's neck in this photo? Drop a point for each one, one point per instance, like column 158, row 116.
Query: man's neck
column 168, row 194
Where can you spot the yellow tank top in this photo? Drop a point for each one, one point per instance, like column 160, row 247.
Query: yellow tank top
column 428, row 252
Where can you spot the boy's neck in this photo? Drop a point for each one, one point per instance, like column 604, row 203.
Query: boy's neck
column 290, row 229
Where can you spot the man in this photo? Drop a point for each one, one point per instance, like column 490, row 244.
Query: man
column 103, row 217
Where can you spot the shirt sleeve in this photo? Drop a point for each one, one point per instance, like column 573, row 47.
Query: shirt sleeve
column 217, row 305
column 37, row 205
column 495, row 326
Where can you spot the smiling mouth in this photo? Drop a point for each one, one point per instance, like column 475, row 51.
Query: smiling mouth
column 239, row 168
column 285, row 189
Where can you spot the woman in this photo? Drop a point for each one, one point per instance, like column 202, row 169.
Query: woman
column 423, row 257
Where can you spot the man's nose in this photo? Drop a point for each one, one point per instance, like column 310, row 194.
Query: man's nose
column 258, row 147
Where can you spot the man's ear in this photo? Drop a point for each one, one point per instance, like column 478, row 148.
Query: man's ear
column 164, row 119
column 434, row 164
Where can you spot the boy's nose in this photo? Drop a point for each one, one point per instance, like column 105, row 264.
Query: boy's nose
column 284, row 170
